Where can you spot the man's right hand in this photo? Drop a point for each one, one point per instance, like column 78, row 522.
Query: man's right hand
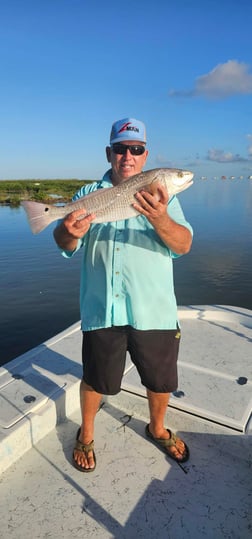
column 75, row 225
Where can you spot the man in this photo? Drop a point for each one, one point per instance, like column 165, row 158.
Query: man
column 127, row 296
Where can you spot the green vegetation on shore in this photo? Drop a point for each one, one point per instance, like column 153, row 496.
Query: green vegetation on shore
column 14, row 191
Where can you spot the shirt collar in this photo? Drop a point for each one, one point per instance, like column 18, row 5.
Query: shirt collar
column 106, row 180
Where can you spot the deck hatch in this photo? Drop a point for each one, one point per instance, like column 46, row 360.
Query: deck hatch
column 21, row 396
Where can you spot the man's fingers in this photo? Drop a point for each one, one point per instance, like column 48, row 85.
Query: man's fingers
column 160, row 195
column 76, row 215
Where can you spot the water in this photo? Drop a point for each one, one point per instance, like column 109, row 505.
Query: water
column 39, row 289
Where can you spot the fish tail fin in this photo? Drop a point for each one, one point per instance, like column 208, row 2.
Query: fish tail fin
column 38, row 215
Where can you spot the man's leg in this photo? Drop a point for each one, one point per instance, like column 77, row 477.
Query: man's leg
column 103, row 356
column 89, row 402
column 158, row 403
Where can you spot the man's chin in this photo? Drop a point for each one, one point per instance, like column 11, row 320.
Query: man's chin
column 125, row 174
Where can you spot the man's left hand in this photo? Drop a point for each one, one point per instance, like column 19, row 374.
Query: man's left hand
column 153, row 206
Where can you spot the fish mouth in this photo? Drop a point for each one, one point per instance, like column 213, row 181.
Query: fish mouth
column 184, row 176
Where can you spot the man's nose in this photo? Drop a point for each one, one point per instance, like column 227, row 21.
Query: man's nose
column 128, row 153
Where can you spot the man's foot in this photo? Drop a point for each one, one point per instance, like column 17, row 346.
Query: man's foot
column 83, row 455
column 171, row 444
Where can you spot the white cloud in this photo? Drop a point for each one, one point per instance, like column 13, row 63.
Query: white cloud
column 231, row 78
column 219, row 156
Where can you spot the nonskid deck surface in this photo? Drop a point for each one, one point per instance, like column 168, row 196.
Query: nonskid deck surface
column 135, row 491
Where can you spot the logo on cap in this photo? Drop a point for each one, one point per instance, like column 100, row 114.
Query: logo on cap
column 128, row 127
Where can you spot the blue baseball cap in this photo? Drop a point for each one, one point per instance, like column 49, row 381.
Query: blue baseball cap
column 128, row 129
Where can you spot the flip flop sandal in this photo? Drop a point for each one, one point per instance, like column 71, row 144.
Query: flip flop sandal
column 83, row 448
column 167, row 444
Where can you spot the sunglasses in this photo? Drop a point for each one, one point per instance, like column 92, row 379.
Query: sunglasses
column 121, row 149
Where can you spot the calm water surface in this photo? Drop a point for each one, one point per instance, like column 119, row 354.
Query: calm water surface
column 39, row 289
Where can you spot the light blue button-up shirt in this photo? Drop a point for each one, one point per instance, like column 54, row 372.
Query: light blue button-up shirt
column 127, row 272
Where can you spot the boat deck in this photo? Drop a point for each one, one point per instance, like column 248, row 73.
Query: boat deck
column 135, row 490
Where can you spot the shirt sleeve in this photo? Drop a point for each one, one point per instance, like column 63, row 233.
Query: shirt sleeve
column 176, row 213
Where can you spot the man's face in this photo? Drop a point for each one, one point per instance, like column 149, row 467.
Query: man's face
column 125, row 165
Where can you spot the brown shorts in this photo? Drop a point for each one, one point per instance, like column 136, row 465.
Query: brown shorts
column 154, row 353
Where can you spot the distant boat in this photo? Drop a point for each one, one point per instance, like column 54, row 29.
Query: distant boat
column 240, row 177
column 250, row 177
column 203, row 178
column 232, row 177
column 223, row 177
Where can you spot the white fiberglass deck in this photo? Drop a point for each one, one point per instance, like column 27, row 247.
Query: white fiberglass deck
column 135, row 491
column 215, row 365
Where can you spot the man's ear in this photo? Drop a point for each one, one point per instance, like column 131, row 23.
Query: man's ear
column 108, row 153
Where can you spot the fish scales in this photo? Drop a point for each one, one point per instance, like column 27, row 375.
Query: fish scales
column 112, row 203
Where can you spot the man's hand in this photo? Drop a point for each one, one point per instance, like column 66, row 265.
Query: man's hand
column 153, row 206
column 77, row 223
column 73, row 228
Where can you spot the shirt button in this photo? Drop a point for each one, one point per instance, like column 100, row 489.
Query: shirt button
column 117, row 272
column 117, row 295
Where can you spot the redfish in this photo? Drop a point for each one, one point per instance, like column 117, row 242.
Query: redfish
column 112, row 203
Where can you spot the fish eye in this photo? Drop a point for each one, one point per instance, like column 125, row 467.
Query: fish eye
column 180, row 174
column 46, row 209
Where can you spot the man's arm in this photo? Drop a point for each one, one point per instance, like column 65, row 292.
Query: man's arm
column 177, row 237
column 71, row 229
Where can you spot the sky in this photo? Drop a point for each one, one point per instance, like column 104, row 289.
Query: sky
column 70, row 68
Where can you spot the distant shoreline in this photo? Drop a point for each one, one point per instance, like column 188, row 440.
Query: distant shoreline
column 12, row 192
